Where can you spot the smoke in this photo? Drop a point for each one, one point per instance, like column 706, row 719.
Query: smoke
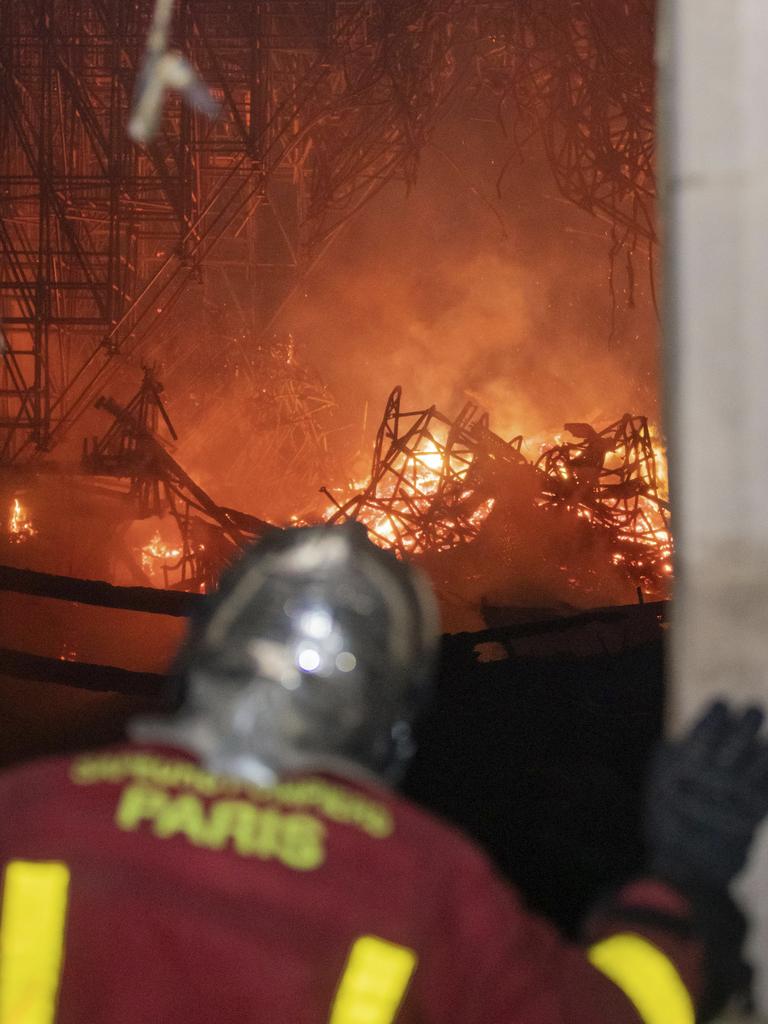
column 460, row 296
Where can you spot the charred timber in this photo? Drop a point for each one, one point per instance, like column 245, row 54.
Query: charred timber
column 80, row 674
column 98, row 593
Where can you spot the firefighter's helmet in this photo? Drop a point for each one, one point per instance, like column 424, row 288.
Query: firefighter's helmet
column 317, row 650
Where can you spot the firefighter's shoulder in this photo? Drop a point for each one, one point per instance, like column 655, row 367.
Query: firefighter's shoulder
column 34, row 800
column 25, row 787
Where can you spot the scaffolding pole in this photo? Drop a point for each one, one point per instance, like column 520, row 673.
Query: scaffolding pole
column 99, row 238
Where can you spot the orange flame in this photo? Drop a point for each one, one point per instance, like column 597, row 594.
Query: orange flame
column 643, row 542
column 157, row 553
column 20, row 527
column 409, row 487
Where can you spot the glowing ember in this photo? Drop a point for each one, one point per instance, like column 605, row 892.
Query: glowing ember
column 157, row 554
column 20, row 527
column 68, row 651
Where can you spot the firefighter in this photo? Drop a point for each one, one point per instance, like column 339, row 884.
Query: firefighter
column 247, row 859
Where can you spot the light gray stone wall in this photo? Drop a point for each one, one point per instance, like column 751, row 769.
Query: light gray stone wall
column 713, row 119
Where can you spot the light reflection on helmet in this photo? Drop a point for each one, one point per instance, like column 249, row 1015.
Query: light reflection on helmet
column 318, row 646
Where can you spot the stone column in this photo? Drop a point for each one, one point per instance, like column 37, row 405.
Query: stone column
column 713, row 121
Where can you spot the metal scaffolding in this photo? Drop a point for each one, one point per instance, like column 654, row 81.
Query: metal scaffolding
column 133, row 449
column 322, row 103
column 99, row 237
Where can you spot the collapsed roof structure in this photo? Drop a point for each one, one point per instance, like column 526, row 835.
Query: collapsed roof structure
column 435, row 481
column 132, row 449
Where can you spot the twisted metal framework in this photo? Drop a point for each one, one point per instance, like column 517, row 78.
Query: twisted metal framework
column 580, row 74
column 128, row 447
column 425, row 489
column 611, row 479
column 434, row 482
column 133, row 449
column 292, row 415
column 323, row 102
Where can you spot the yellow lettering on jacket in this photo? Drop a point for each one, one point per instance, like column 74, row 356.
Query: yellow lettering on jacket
column 181, row 816
column 137, row 804
column 295, row 840
column 301, row 842
column 334, row 802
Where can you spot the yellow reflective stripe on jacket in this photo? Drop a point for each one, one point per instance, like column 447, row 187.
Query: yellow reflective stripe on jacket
column 373, row 983
column 646, row 976
column 32, row 940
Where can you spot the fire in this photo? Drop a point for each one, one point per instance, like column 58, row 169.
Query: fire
column 616, row 481
column 157, row 555
column 429, row 459
column 430, row 482
column 660, row 463
column 20, row 527
column 482, row 512
column 420, row 499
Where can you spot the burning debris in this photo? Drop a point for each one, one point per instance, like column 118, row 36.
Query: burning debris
column 207, row 534
column 435, row 482
column 20, row 526
column 595, row 507
column 611, row 478
column 426, row 489
column 157, row 556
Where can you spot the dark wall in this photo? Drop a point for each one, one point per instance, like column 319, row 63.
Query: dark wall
column 542, row 760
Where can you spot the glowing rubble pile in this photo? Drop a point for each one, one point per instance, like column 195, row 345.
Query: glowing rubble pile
column 616, row 480
column 434, row 482
column 423, row 490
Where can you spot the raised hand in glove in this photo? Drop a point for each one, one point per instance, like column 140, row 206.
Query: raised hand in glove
column 707, row 794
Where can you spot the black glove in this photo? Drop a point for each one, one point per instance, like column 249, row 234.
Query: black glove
column 707, row 794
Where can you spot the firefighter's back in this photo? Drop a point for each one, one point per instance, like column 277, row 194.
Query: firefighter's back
column 187, row 896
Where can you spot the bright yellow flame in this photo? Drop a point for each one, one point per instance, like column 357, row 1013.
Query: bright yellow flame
column 20, row 528
column 430, row 456
column 410, row 483
column 408, row 489
column 156, row 553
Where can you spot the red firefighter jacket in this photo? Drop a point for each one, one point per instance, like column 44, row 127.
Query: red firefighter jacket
column 140, row 889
